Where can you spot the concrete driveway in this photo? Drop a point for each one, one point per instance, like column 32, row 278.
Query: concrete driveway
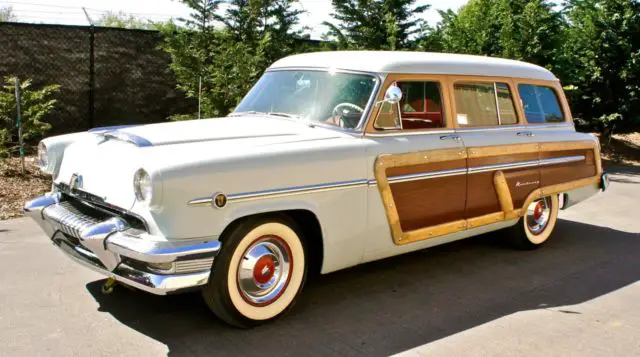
column 576, row 296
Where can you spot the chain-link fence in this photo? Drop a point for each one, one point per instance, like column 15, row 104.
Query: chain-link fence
column 108, row 76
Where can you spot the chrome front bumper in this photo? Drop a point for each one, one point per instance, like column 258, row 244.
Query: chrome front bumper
column 108, row 245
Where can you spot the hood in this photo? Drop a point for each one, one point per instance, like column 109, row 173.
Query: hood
column 106, row 159
column 220, row 129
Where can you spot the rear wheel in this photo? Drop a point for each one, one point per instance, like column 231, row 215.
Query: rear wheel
column 259, row 273
column 536, row 225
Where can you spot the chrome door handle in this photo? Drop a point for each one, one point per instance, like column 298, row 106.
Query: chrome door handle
column 525, row 133
column 450, row 137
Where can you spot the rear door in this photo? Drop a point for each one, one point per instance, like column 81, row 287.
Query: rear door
column 499, row 147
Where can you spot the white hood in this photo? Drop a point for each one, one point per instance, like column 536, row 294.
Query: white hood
column 229, row 128
column 107, row 163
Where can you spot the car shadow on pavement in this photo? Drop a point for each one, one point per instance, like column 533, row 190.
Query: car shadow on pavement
column 392, row 305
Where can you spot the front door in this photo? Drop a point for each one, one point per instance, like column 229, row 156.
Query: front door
column 419, row 164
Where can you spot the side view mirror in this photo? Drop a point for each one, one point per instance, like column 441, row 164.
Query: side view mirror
column 393, row 95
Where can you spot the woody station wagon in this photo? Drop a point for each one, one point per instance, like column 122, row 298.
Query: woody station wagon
column 331, row 160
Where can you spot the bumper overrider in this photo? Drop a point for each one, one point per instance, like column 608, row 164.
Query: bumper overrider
column 109, row 245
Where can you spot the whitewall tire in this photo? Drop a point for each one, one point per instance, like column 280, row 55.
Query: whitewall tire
column 537, row 223
column 259, row 272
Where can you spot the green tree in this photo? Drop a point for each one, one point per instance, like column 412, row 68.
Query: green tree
column 35, row 104
column 7, row 14
column 124, row 20
column 375, row 24
column 219, row 64
column 603, row 47
column 519, row 29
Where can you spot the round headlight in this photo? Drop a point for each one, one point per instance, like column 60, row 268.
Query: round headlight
column 142, row 185
column 43, row 161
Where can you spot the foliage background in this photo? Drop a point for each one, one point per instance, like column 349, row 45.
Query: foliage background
column 217, row 53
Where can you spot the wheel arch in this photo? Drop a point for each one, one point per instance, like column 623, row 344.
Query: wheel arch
column 308, row 224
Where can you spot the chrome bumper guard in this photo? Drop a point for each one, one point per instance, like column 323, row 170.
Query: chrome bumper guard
column 109, row 246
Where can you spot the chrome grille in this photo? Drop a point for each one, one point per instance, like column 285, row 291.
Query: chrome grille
column 71, row 219
column 188, row 266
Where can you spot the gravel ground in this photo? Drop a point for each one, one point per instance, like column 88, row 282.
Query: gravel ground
column 15, row 188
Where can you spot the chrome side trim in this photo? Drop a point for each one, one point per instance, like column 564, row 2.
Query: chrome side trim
column 510, row 165
column 490, row 129
column 283, row 192
column 479, row 169
column 411, row 133
column 562, row 160
column 426, row 175
column 289, row 191
column 523, row 126
column 530, row 163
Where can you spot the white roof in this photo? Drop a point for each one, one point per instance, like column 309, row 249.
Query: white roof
column 415, row 62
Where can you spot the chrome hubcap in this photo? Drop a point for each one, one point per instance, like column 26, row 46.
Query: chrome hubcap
column 264, row 270
column 538, row 214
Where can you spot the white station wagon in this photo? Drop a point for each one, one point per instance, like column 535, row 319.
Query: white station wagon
column 332, row 159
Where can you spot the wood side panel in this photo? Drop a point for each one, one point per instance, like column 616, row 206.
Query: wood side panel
column 521, row 183
column 482, row 198
column 561, row 173
column 556, row 174
column 429, row 160
column 427, row 167
column 429, row 202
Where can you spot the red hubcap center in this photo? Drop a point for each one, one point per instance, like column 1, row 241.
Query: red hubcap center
column 264, row 269
column 537, row 211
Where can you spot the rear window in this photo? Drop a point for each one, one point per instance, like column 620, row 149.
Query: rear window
column 484, row 104
column 540, row 103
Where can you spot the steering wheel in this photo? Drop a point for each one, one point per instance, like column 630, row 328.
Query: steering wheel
column 345, row 111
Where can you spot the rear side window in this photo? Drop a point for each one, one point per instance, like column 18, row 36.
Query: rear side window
column 484, row 104
column 540, row 104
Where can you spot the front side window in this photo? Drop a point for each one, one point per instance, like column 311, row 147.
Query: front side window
column 540, row 104
column 420, row 107
column 484, row 104
column 326, row 97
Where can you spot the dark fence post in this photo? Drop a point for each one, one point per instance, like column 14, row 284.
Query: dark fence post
column 92, row 76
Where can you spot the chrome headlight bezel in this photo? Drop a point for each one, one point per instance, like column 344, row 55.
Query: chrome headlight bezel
column 143, row 186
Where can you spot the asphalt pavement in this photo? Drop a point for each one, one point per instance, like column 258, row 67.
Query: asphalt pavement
column 578, row 295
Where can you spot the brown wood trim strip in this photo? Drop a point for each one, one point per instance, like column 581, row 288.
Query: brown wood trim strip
column 502, row 189
column 433, row 231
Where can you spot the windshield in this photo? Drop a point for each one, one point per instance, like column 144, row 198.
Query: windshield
column 326, row 97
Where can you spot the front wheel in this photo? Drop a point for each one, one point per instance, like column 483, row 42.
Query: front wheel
column 536, row 225
column 259, row 273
